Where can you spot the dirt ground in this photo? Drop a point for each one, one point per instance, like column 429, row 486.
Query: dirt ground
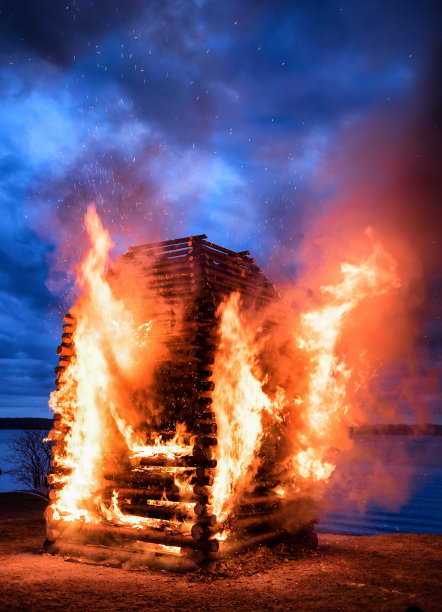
column 386, row 572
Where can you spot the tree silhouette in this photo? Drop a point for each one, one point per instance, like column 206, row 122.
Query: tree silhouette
column 31, row 458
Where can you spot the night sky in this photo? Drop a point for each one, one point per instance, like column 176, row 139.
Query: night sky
column 249, row 121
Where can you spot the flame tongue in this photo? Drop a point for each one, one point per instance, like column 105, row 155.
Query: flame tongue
column 94, row 397
column 325, row 404
column 239, row 403
column 81, row 399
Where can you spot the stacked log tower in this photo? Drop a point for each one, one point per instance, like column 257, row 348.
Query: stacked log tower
column 192, row 276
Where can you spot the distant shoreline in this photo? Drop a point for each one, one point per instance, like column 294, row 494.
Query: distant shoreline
column 26, row 423
column 384, row 429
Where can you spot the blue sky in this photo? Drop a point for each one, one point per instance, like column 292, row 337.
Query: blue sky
column 244, row 120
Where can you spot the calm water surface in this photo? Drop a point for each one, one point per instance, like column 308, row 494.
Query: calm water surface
column 415, row 466
column 417, row 462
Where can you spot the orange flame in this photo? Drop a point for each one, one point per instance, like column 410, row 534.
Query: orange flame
column 325, row 405
column 239, row 402
column 92, row 401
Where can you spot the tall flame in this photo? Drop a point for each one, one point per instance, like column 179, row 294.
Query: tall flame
column 239, row 402
column 325, row 404
column 95, row 392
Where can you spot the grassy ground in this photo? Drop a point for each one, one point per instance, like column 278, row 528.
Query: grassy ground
column 387, row 572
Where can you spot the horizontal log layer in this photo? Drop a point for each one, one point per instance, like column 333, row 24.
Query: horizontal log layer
column 220, row 288
column 171, row 494
column 204, row 253
column 214, row 271
column 151, row 478
column 181, row 258
column 233, row 270
column 183, row 281
column 211, row 246
column 96, row 533
column 203, row 453
column 127, row 558
column 166, row 243
column 178, row 461
column 178, row 513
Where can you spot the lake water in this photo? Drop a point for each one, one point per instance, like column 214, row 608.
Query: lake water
column 404, row 469
column 414, row 469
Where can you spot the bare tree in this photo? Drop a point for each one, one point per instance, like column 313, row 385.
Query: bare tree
column 31, row 458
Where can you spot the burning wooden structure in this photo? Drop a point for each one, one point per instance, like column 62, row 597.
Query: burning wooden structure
column 165, row 498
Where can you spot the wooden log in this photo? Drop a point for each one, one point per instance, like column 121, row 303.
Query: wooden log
column 163, row 460
column 128, row 558
column 202, row 490
column 204, row 441
column 167, row 243
column 233, row 269
column 66, row 337
column 158, row 252
column 184, row 273
column 207, row 427
column 201, row 532
column 207, row 519
column 178, row 461
column 65, row 349
column 216, row 247
column 158, row 494
column 202, row 471
column 160, row 512
column 220, row 271
column 148, row 478
column 169, row 255
column 203, row 477
column 223, row 288
column 203, row 454
column 97, row 533
column 68, row 328
column 183, row 286
column 69, row 318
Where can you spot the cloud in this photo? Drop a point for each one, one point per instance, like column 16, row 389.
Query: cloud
column 239, row 120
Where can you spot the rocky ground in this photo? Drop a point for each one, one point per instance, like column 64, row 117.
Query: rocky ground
column 386, row 572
